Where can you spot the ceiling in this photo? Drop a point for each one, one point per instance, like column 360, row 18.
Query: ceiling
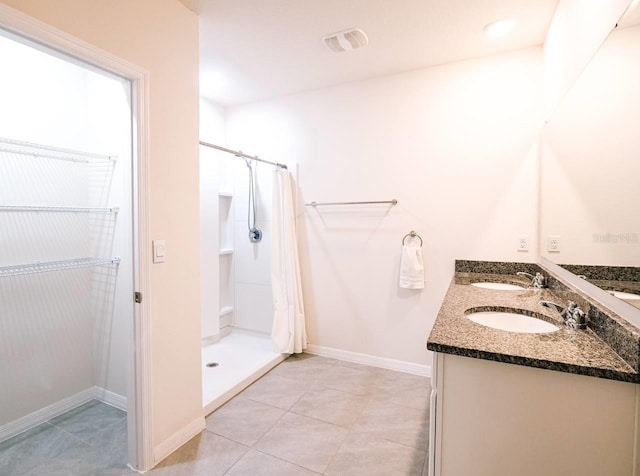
column 252, row 50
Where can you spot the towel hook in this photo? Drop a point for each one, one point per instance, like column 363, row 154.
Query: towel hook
column 412, row 234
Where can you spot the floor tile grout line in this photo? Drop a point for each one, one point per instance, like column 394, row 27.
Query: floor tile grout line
column 286, row 461
column 270, row 456
column 71, row 435
column 261, row 435
column 77, row 437
column 102, row 430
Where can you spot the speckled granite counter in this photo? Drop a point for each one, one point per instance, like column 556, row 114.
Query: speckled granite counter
column 566, row 350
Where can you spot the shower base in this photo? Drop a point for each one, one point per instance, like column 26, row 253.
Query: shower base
column 242, row 357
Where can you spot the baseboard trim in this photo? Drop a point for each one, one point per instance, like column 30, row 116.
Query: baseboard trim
column 366, row 359
column 40, row 416
column 111, row 398
column 178, row 439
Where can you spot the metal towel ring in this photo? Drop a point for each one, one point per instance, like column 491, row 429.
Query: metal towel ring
column 412, row 234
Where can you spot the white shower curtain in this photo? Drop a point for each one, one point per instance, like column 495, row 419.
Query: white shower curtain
column 288, row 333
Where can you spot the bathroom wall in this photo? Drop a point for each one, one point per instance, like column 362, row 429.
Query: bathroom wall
column 244, row 276
column 162, row 37
column 211, row 130
column 68, row 107
column 454, row 144
column 578, row 29
column 253, row 298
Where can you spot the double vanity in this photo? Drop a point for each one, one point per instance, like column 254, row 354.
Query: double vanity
column 567, row 406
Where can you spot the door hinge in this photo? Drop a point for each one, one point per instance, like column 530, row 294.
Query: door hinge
column 137, row 297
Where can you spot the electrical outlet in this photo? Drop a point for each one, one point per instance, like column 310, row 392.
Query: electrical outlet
column 553, row 244
column 523, row 243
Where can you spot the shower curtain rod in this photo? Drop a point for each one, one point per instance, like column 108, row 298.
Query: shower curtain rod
column 237, row 153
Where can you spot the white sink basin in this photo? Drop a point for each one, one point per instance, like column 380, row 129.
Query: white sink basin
column 498, row 286
column 512, row 322
column 627, row 296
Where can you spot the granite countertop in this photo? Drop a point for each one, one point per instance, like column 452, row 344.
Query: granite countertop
column 566, row 350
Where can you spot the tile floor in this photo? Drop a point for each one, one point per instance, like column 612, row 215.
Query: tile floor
column 88, row 440
column 313, row 415
column 310, row 415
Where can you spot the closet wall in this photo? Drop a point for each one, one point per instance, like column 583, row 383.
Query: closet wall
column 63, row 334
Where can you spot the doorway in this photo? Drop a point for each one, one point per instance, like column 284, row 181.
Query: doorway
column 70, row 260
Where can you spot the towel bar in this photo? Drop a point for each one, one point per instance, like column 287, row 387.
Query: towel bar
column 412, row 234
column 316, row 204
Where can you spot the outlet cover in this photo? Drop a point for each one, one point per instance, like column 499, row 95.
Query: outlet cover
column 523, row 243
column 553, row 244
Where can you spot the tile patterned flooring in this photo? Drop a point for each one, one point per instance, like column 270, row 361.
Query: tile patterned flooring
column 309, row 416
column 88, row 440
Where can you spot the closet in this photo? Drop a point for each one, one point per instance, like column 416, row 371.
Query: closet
column 66, row 239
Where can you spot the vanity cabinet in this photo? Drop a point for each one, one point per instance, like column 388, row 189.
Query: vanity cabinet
column 497, row 419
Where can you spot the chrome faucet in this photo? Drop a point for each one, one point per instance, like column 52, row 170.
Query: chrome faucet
column 573, row 316
column 538, row 281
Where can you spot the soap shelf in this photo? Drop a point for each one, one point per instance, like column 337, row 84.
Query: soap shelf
column 226, row 310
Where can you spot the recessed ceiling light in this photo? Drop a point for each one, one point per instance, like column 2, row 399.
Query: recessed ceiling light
column 500, row 28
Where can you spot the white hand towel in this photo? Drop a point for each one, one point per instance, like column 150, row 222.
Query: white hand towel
column 411, row 267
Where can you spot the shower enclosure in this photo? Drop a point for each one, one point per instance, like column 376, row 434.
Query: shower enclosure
column 236, row 217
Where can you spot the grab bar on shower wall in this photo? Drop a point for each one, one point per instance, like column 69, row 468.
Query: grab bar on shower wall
column 315, row 204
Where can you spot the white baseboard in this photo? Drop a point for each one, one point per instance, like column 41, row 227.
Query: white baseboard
column 111, row 398
column 40, row 416
column 366, row 359
column 178, row 439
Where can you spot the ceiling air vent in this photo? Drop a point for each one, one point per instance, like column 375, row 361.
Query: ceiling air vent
column 346, row 40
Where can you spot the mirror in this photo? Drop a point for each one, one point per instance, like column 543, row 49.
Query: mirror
column 590, row 170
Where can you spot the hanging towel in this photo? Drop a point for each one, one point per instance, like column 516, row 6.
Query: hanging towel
column 411, row 267
column 288, row 333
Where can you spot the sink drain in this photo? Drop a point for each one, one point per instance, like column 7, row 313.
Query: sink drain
column 212, row 364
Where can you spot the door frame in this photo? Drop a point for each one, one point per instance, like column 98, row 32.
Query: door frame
column 139, row 401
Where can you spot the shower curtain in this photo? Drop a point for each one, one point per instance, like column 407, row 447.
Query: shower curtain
column 288, row 333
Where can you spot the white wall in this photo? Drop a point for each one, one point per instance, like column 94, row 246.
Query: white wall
column 109, row 130
column 65, row 331
column 242, row 279
column 39, row 366
column 578, row 29
column 160, row 36
column 590, row 165
column 212, row 130
column 455, row 145
column 253, row 296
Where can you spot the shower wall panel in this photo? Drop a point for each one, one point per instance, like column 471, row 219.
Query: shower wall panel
column 252, row 261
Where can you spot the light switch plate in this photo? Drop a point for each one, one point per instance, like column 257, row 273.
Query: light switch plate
column 159, row 251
